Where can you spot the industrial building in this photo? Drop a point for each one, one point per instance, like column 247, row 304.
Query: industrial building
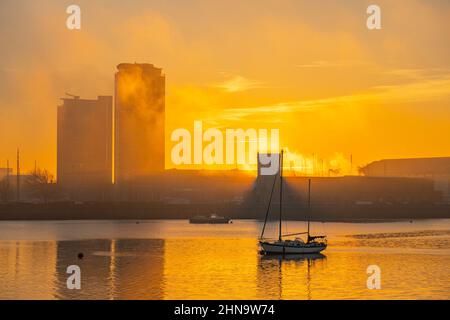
column 4, row 172
column 435, row 169
column 84, row 143
column 414, row 167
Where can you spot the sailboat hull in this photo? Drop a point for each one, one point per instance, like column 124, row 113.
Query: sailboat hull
column 291, row 248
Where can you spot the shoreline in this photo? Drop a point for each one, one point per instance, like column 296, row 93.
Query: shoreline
column 63, row 211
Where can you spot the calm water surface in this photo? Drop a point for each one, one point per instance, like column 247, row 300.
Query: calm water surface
column 171, row 259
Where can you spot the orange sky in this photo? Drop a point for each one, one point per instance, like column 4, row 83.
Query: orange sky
column 312, row 70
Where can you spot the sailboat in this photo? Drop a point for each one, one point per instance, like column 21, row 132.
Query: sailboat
column 313, row 244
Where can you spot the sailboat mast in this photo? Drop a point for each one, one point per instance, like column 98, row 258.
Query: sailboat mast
column 281, row 191
column 309, row 203
column 268, row 207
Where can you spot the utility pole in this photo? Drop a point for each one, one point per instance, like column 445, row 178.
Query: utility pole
column 18, row 175
column 281, row 194
column 7, row 177
column 351, row 163
column 322, row 172
column 309, row 204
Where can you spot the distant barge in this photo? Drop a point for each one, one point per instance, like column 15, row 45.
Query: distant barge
column 212, row 219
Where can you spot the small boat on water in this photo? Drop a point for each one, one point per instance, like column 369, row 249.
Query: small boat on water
column 212, row 219
column 313, row 244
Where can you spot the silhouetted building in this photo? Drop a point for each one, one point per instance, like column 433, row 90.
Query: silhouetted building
column 84, row 142
column 436, row 169
column 189, row 187
column 4, row 172
column 9, row 190
column 139, row 121
column 415, row 167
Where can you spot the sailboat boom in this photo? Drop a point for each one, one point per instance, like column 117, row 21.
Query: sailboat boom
column 294, row 234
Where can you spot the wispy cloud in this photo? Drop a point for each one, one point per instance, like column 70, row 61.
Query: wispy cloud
column 239, row 83
column 418, row 74
column 417, row 91
column 330, row 64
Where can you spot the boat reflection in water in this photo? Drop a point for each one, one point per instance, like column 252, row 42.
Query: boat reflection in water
column 289, row 269
column 294, row 257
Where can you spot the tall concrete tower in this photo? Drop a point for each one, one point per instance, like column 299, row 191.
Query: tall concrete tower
column 139, row 121
column 85, row 142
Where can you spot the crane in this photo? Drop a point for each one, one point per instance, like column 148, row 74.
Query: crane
column 72, row 96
